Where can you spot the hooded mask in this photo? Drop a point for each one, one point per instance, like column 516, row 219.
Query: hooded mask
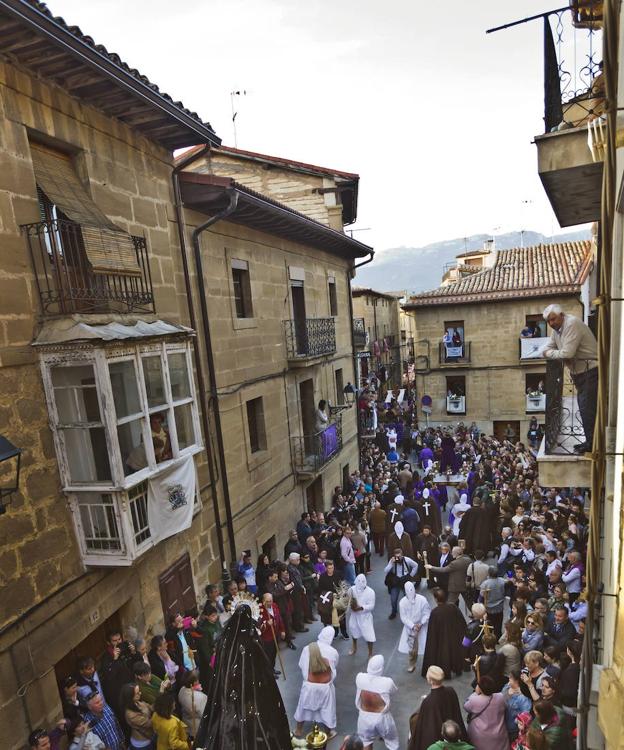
column 326, row 635
column 360, row 584
column 398, row 529
column 426, row 493
column 463, row 498
column 399, row 500
column 375, row 666
column 410, row 591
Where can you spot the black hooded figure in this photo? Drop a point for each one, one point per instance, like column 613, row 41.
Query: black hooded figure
column 245, row 710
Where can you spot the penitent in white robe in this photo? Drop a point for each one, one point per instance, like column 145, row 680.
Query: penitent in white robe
column 317, row 701
column 361, row 622
column 371, row 725
column 413, row 608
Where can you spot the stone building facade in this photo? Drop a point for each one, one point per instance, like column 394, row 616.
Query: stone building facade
column 104, row 384
column 489, row 373
column 380, row 313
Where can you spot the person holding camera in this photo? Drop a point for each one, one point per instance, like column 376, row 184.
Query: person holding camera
column 398, row 571
column 116, row 669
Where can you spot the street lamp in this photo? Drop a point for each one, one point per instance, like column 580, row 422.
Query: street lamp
column 349, row 393
column 10, row 460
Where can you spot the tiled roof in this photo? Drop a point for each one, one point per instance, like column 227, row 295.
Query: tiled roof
column 33, row 36
column 289, row 163
column 520, row 272
column 359, row 291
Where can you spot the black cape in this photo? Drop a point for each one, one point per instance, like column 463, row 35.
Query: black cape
column 439, row 706
column 477, row 528
column 445, row 633
column 244, row 709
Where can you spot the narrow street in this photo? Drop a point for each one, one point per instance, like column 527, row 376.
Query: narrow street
column 412, row 687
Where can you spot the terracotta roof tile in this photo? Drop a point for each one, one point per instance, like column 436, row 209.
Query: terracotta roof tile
column 560, row 267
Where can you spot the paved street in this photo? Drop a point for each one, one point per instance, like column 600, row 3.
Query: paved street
column 411, row 686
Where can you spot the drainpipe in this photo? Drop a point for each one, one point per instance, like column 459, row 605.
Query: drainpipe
column 350, row 275
column 214, row 396
column 198, row 361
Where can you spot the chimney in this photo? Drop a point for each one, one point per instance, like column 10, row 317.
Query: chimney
column 489, row 246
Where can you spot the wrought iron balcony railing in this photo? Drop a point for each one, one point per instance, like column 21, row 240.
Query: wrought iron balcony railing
column 359, row 333
column 310, row 337
column 67, row 282
column 449, row 354
column 573, row 82
column 563, row 429
column 368, row 423
column 312, row 452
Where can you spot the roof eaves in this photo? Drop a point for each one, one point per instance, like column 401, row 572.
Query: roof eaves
column 336, row 239
column 36, row 16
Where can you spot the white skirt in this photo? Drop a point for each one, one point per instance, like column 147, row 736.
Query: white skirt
column 317, row 702
column 361, row 626
column 372, row 726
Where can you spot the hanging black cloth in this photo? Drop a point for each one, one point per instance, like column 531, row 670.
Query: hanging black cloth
column 245, row 710
column 553, row 111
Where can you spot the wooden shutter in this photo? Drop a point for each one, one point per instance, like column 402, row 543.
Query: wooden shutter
column 108, row 248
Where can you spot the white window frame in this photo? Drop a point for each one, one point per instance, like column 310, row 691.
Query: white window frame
column 120, row 486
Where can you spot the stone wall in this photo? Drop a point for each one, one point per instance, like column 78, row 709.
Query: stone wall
column 495, row 378
column 294, row 188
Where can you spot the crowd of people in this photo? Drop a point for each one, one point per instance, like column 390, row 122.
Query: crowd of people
column 506, row 576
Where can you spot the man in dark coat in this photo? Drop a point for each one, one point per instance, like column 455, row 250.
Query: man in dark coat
column 439, row 706
column 477, row 527
column 429, row 512
column 427, row 543
column 115, row 669
column 445, row 634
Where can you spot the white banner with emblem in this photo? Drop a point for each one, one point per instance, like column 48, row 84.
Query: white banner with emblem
column 170, row 500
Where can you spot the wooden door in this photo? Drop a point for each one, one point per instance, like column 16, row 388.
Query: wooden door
column 299, row 316
column 177, row 591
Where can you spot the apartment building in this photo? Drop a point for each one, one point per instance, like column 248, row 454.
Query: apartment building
column 471, row 356
column 147, row 450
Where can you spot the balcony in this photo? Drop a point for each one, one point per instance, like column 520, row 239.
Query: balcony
column 87, row 270
column 454, row 355
column 368, row 423
column 570, row 153
column 309, row 338
column 456, row 405
column 531, row 349
column 535, row 402
column 359, row 333
column 313, row 452
column 112, row 527
column 558, row 463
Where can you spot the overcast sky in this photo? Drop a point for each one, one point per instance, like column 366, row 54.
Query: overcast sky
column 435, row 116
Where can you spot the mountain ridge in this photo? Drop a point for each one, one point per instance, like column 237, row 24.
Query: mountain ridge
column 418, row 269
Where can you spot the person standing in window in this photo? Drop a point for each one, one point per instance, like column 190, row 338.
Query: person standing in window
column 321, row 419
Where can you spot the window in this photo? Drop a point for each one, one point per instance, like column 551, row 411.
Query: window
column 116, row 417
column 79, row 424
column 242, row 289
column 535, row 391
column 537, row 325
column 339, row 387
column 403, row 335
column 255, row 424
column 456, row 394
column 333, row 299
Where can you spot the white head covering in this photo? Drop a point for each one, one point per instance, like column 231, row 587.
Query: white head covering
column 360, row 584
column 399, row 499
column 426, row 493
column 398, row 529
column 410, row 591
column 376, row 665
column 326, row 635
column 463, row 498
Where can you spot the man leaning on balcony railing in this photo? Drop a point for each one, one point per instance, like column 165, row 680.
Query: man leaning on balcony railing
column 574, row 343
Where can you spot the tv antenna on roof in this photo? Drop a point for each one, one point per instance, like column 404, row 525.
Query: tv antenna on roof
column 239, row 92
